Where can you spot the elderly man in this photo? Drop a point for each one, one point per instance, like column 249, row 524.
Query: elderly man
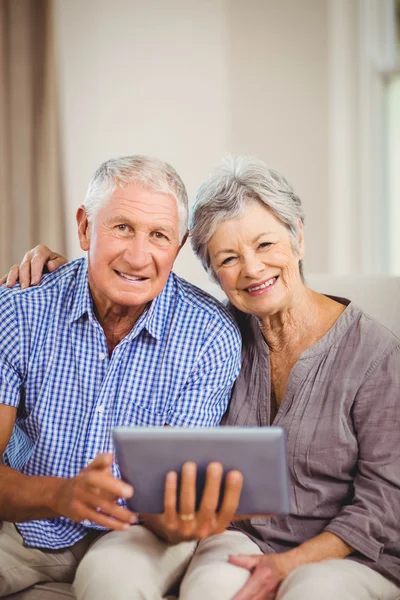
column 112, row 339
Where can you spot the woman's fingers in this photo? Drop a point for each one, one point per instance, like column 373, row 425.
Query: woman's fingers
column 12, row 276
column 246, row 561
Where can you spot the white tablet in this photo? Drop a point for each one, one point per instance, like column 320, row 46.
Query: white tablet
column 145, row 455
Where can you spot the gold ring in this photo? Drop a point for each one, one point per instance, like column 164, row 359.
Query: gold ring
column 189, row 517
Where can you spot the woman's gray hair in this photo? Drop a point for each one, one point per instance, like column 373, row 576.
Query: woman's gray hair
column 152, row 173
column 227, row 191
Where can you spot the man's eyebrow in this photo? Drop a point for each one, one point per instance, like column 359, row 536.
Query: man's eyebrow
column 253, row 241
column 118, row 218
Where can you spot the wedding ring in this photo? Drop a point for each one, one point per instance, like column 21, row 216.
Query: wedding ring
column 189, row 517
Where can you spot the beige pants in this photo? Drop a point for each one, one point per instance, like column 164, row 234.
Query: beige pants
column 130, row 565
column 143, row 567
column 137, row 565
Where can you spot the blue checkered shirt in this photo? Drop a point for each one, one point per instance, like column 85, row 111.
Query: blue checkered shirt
column 175, row 367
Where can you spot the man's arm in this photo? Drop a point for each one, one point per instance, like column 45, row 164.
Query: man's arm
column 26, row 497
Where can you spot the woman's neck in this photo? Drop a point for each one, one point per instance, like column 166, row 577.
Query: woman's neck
column 302, row 323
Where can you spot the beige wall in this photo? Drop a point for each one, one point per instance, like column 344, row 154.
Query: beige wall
column 192, row 80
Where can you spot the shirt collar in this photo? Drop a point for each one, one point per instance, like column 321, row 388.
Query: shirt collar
column 153, row 319
column 82, row 302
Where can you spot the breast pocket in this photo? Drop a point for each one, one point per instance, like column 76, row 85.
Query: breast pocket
column 135, row 415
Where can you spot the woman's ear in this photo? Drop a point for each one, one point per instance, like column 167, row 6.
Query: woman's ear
column 83, row 228
column 301, row 247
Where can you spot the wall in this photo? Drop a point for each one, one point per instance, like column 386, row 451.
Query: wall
column 191, row 81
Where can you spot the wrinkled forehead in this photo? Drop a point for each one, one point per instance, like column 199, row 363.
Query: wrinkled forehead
column 139, row 203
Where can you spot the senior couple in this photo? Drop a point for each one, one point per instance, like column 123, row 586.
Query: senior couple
column 118, row 339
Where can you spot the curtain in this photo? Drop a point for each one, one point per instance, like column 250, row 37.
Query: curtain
column 31, row 191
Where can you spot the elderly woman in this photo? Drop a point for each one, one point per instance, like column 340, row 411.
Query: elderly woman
column 329, row 375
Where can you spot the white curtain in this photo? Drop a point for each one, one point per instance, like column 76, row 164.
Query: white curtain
column 31, row 196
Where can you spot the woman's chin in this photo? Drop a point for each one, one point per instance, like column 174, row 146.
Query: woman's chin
column 259, row 306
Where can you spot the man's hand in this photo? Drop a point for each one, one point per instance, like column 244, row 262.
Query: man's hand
column 30, row 271
column 187, row 524
column 93, row 495
column 267, row 573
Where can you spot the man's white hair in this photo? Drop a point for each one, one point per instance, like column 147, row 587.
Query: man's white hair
column 152, row 173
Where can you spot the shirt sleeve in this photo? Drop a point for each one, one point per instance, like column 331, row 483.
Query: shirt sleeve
column 372, row 519
column 10, row 377
column 206, row 394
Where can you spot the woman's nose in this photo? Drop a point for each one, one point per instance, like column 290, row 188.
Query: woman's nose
column 252, row 266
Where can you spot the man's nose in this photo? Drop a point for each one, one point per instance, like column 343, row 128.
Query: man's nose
column 137, row 253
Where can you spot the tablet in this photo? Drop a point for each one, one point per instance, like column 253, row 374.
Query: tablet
column 145, row 455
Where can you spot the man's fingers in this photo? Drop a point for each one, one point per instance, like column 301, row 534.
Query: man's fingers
column 3, row 279
column 187, row 497
column 170, row 500
column 98, row 475
column 209, row 502
column 101, row 461
column 106, row 484
column 212, row 488
column 106, row 521
column 230, row 502
column 111, row 508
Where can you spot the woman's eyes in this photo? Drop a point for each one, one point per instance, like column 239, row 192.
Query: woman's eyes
column 264, row 245
column 229, row 260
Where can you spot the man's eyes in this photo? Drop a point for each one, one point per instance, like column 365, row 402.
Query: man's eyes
column 122, row 227
column 160, row 236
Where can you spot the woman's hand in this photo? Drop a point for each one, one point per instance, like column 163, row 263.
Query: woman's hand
column 93, row 495
column 267, row 573
column 189, row 524
column 30, row 271
column 269, row 570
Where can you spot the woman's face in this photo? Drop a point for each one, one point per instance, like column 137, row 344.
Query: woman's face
column 254, row 262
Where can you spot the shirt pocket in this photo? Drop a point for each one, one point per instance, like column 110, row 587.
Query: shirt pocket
column 135, row 415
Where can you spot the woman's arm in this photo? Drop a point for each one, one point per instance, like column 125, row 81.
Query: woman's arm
column 30, row 271
column 269, row 570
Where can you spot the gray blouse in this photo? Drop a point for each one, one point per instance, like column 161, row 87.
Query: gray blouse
column 341, row 415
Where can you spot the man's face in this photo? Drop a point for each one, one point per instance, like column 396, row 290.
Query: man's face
column 132, row 244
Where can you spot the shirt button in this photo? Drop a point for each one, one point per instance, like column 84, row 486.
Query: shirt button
column 102, row 356
column 87, row 522
column 100, row 409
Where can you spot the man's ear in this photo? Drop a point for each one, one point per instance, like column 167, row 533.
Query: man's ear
column 301, row 246
column 83, row 228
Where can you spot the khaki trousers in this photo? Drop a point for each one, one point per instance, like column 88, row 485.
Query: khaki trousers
column 136, row 565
